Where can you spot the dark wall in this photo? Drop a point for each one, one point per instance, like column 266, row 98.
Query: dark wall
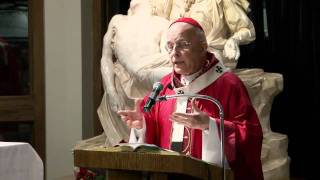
column 292, row 49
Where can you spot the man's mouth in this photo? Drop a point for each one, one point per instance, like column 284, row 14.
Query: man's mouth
column 178, row 62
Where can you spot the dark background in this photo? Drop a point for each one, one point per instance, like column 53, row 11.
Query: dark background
column 291, row 48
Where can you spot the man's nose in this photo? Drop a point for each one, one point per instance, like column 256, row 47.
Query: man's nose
column 175, row 51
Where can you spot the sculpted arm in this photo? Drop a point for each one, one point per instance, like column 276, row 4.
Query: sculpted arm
column 107, row 67
column 241, row 27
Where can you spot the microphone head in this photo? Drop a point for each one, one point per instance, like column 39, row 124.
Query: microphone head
column 157, row 86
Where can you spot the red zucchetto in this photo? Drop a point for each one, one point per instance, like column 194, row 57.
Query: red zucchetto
column 189, row 21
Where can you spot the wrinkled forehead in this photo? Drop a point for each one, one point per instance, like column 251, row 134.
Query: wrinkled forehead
column 180, row 30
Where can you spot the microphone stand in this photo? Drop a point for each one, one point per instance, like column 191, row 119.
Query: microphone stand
column 221, row 114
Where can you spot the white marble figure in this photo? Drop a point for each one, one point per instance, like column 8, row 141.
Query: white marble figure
column 134, row 58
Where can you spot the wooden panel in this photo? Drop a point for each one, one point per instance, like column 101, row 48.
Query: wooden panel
column 99, row 26
column 36, row 34
column 16, row 108
column 151, row 162
column 31, row 108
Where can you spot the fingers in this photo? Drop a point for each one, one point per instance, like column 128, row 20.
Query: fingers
column 181, row 116
column 125, row 116
column 123, row 112
column 194, row 105
column 131, row 118
column 180, row 119
column 130, row 114
column 137, row 103
column 192, row 121
column 132, row 123
column 138, row 124
column 184, row 115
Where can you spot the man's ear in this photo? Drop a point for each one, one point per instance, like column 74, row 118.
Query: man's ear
column 204, row 46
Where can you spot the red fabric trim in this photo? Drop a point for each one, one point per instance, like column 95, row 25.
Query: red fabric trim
column 189, row 21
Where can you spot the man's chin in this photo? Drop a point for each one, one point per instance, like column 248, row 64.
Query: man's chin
column 179, row 71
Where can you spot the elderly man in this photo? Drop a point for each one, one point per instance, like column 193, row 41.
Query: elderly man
column 193, row 124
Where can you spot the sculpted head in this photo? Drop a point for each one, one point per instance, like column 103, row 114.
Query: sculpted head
column 143, row 7
column 187, row 46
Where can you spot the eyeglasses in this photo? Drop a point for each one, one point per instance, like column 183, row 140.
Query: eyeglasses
column 179, row 45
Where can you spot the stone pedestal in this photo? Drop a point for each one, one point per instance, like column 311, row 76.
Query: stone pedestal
column 262, row 88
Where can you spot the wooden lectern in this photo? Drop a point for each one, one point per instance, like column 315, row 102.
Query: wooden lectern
column 145, row 164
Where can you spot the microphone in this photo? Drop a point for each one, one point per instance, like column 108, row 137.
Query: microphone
column 157, row 87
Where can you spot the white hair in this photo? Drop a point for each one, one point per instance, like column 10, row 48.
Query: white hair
column 200, row 33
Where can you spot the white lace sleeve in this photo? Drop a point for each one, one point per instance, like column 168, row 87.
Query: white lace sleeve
column 211, row 144
column 138, row 135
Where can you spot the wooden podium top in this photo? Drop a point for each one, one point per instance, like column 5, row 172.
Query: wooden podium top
column 159, row 160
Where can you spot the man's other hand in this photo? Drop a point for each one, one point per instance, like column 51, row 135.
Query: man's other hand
column 195, row 120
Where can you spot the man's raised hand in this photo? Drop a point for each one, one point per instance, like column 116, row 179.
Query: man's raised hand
column 133, row 118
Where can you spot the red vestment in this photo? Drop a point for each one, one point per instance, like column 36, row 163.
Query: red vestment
column 243, row 133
